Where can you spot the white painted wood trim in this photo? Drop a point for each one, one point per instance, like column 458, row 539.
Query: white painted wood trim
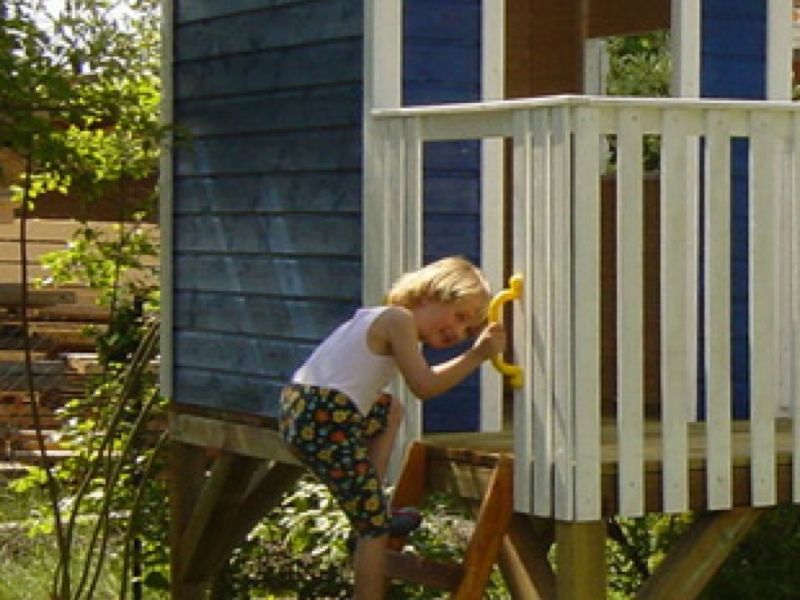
column 563, row 424
column 525, row 492
column 383, row 52
column 718, row 309
column 539, row 314
column 586, row 294
column 492, row 194
column 686, row 24
column 676, row 336
column 795, row 329
column 630, row 312
column 165, row 185
column 595, row 66
column 764, row 335
column 382, row 89
column 779, row 49
column 410, row 225
column 785, row 151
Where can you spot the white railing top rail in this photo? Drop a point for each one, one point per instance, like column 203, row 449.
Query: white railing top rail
column 457, row 108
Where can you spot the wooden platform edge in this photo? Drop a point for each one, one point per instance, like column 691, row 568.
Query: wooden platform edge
column 238, row 438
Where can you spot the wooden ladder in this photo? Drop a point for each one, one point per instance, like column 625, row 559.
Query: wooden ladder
column 466, row 580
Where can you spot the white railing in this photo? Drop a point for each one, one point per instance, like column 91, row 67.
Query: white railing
column 560, row 150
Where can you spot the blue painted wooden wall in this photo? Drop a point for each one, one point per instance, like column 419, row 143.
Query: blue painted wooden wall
column 733, row 65
column 267, row 192
column 442, row 64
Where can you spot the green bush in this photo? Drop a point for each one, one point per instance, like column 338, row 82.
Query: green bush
column 299, row 550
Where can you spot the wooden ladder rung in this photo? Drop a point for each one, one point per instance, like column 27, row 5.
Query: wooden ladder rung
column 465, row 580
column 411, row 567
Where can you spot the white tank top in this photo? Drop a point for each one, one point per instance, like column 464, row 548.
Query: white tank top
column 343, row 361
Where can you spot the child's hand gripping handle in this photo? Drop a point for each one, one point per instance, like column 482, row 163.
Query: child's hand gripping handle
column 514, row 291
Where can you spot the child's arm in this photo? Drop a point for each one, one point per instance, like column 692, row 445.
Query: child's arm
column 427, row 381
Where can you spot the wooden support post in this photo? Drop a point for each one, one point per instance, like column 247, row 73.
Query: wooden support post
column 220, row 499
column 523, row 558
column 490, row 528
column 691, row 564
column 410, row 488
column 187, row 465
column 581, row 557
column 267, row 488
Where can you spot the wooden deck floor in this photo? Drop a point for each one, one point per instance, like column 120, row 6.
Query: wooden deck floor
column 461, row 456
column 461, row 463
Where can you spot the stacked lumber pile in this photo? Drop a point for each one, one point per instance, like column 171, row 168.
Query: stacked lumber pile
column 58, row 348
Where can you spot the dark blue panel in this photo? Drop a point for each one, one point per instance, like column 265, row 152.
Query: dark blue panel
column 442, row 64
column 461, row 62
column 452, row 156
column 456, row 193
column 734, row 66
column 448, row 234
column 458, row 410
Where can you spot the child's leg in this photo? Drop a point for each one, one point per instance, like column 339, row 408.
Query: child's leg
column 369, row 566
column 381, row 444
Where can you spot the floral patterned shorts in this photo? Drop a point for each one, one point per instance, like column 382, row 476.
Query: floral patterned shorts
column 330, row 434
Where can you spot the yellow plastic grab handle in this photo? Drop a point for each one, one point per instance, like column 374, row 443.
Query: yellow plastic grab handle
column 514, row 291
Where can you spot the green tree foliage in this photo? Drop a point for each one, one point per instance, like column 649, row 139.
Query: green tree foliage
column 639, row 65
column 79, row 95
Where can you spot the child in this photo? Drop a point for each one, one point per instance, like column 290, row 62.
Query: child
column 343, row 425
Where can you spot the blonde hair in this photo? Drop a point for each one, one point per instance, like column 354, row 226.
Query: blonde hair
column 445, row 280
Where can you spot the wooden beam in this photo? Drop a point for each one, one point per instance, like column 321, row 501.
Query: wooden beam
column 187, row 465
column 406, row 566
column 523, row 558
column 203, row 510
column 581, row 571
column 626, row 17
column 221, row 497
column 691, row 564
column 267, row 487
column 544, row 47
column 238, row 438
column 490, row 528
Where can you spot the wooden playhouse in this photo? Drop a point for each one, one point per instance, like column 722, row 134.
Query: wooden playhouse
column 338, row 143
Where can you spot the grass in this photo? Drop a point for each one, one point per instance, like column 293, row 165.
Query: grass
column 28, row 551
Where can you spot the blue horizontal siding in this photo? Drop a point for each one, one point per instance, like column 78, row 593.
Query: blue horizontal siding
column 269, row 192
column 283, row 26
column 315, row 277
column 314, row 150
column 306, row 234
column 237, row 392
column 305, row 320
column 323, row 64
column 327, row 107
column 199, row 10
